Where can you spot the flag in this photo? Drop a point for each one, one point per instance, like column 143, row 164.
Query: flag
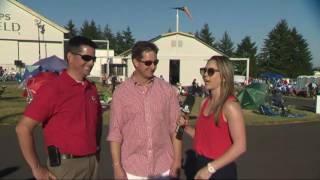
column 185, row 10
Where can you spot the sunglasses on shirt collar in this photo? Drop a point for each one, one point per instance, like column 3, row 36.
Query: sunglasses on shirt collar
column 149, row 62
column 86, row 58
column 209, row 71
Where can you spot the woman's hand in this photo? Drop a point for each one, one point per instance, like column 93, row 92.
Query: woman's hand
column 203, row 173
column 183, row 121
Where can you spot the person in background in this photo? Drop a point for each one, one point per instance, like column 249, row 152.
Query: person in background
column 104, row 79
column 144, row 115
column 70, row 112
column 113, row 82
column 219, row 134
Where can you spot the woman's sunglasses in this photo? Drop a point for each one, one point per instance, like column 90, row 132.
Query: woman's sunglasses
column 209, row 71
column 149, row 62
column 86, row 58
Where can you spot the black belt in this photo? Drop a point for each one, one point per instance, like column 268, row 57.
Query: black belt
column 71, row 156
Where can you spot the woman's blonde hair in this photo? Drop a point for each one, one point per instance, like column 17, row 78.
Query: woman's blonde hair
column 226, row 70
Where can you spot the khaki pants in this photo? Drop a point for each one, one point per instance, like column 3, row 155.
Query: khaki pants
column 78, row 168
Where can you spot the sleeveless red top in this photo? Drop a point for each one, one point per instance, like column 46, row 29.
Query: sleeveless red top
column 210, row 140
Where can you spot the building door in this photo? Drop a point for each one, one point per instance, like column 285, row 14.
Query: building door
column 174, row 73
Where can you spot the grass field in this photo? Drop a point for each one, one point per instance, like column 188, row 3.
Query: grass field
column 12, row 105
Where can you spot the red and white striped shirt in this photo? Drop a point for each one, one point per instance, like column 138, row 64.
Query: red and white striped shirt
column 142, row 120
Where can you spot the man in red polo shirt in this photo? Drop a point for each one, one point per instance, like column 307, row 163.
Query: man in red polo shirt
column 70, row 112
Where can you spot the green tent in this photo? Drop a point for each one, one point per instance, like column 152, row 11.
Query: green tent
column 252, row 96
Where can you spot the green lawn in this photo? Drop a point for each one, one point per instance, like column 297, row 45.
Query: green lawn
column 12, row 105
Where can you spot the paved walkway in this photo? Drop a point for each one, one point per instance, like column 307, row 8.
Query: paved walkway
column 274, row 152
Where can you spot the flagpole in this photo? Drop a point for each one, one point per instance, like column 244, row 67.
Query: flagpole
column 177, row 20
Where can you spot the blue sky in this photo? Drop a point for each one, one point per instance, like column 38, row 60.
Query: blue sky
column 150, row 18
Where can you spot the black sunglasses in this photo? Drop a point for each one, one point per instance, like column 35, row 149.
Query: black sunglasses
column 86, row 58
column 209, row 71
column 149, row 62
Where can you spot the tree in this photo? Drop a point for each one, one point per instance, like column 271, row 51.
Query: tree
column 225, row 45
column 247, row 49
column 205, row 35
column 128, row 39
column 108, row 35
column 90, row 30
column 285, row 51
column 118, row 48
column 123, row 41
column 300, row 55
column 72, row 30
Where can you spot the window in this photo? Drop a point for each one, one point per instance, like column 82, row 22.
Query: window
column 173, row 43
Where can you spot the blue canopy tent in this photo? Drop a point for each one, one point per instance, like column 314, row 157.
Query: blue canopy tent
column 52, row 64
column 270, row 75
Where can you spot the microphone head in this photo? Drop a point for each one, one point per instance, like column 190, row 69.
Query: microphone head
column 185, row 109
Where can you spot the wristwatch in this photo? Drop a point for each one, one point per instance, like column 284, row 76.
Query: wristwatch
column 211, row 169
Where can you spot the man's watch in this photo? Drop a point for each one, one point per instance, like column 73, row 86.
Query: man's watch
column 211, row 169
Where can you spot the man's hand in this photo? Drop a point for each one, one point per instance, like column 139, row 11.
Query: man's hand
column 203, row 173
column 119, row 173
column 175, row 169
column 42, row 172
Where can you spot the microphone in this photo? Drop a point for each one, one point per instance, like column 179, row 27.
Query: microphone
column 186, row 110
column 180, row 129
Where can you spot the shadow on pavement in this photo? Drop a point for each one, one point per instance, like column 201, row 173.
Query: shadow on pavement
column 7, row 171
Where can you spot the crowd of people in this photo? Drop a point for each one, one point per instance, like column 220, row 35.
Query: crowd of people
column 145, row 116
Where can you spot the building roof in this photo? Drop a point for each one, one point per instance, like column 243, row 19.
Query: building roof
column 25, row 8
column 127, row 52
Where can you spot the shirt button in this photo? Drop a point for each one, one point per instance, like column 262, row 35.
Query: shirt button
column 150, row 151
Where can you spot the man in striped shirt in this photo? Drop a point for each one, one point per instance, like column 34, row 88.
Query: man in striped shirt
column 144, row 113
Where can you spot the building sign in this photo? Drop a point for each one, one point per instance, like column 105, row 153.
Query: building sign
column 7, row 23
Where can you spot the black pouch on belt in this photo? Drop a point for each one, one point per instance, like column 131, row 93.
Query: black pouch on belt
column 54, row 156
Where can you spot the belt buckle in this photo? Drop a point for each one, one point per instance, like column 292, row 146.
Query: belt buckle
column 66, row 156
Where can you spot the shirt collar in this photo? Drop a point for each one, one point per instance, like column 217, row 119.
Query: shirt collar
column 73, row 82
column 135, row 82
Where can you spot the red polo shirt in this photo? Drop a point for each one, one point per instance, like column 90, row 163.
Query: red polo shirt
column 69, row 111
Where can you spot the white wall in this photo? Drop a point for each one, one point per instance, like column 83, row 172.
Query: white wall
column 101, row 55
column 18, row 29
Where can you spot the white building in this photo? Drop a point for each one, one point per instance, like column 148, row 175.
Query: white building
column 27, row 36
column 180, row 55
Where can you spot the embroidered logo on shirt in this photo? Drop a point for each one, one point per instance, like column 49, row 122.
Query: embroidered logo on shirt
column 94, row 99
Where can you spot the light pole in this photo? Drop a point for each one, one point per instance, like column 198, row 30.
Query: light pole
column 42, row 30
column 104, row 41
column 108, row 62
column 39, row 27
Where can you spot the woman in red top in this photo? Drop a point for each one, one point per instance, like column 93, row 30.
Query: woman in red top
column 219, row 134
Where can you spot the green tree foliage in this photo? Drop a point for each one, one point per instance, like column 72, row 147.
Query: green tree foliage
column 301, row 57
column 123, row 41
column 128, row 40
column 205, row 35
column 225, row 45
column 108, row 35
column 247, row 49
column 72, row 30
column 91, row 30
column 286, row 52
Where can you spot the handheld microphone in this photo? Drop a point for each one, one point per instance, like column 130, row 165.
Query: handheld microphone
column 180, row 129
column 186, row 110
